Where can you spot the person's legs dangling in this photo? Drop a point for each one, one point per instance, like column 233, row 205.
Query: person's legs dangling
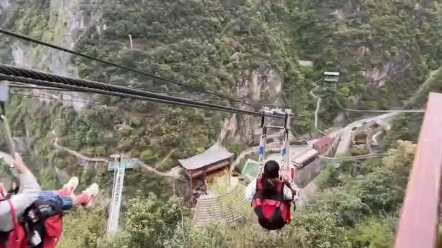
column 85, row 198
column 66, row 198
column 69, row 188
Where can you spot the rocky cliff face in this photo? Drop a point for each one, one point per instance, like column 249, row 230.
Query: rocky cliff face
column 384, row 51
column 263, row 86
column 66, row 22
column 69, row 21
column 113, row 32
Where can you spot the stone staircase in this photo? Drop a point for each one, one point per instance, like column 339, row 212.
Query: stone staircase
column 227, row 208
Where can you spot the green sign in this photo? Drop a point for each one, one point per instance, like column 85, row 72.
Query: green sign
column 251, row 168
column 127, row 164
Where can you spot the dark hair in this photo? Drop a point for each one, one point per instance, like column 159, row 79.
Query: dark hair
column 271, row 170
column 269, row 177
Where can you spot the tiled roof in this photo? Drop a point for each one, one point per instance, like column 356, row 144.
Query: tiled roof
column 212, row 155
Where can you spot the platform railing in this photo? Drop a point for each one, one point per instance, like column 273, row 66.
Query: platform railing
column 418, row 224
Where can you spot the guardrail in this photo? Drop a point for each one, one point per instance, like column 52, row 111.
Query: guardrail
column 418, row 224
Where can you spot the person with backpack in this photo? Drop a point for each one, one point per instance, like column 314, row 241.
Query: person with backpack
column 41, row 224
column 18, row 203
column 271, row 197
column 64, row 197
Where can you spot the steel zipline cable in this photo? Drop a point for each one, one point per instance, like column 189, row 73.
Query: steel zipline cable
column 153, row 77
column 27, row 76
column 123, row 95
column 19, row 86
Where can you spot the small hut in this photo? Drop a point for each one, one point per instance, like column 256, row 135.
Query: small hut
column 213, row 163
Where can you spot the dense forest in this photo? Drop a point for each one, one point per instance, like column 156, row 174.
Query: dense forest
column 387, row 52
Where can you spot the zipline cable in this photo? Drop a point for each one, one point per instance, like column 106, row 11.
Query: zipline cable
column 375, row 110
column 27, row 76
column 45, row 97
column 359, row 157
column 159, row 79
column 27, row 87
column 380, row 111
column 125, row 95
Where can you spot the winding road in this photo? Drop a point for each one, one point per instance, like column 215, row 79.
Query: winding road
column 347, row 134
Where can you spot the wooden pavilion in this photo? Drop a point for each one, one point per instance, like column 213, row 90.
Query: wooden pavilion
column 213, row 163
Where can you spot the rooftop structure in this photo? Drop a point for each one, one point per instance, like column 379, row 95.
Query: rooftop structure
column 211, row 156
column 214, row 162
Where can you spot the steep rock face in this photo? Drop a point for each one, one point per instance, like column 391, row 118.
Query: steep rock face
column 263, row 85
column 65, row 23
column 56, row 22
column 266, row 85
column 71, row 19
column 387, row 63
column 203, row 44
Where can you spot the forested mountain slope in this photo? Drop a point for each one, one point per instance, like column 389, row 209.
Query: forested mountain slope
column 236, row 48
column 383, row 49
column 245, row 49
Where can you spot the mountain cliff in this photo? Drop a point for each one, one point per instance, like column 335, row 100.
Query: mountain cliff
column 261, row 52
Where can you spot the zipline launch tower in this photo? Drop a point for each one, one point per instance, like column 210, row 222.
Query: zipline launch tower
column 119, row 165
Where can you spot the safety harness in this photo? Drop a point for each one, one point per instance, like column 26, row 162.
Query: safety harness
column 40, row 226
column 286, row 172
column 273, row 211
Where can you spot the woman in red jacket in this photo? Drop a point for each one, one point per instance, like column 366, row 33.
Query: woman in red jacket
column 271, row 197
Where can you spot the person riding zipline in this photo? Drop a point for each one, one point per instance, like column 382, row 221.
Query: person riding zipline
column 64, row 197
column 40, row 224
column 18, row 203
column 271, row 198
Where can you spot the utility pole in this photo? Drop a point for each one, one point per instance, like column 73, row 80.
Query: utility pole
column 119, row 165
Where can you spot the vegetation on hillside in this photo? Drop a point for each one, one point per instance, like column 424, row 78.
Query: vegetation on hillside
column 384, row 49
column 353, row 208
column 210, row 45
column 221, row 46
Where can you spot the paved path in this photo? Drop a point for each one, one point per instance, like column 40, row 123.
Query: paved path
column 347, row 134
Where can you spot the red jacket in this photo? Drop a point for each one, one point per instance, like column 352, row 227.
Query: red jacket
column 18, row 238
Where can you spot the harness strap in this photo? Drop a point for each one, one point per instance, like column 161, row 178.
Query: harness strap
column 280, row 187
column 268, row 202
column 278, row 205
column 277, row 202
column 14, row 220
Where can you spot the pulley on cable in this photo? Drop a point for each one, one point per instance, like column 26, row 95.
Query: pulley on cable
column 286, row 171
column 273, row 191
